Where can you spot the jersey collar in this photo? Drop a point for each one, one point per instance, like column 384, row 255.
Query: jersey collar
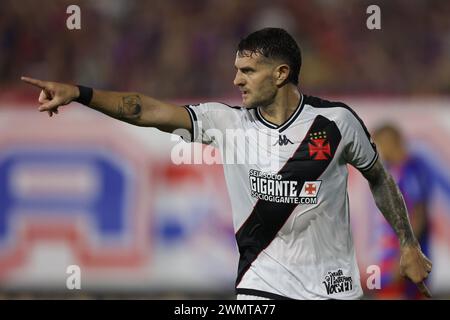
column 286, row 123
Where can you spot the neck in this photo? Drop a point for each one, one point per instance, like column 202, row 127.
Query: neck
column 283, row 106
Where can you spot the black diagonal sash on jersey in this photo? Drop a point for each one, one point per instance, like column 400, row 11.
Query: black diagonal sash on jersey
column 267, row 217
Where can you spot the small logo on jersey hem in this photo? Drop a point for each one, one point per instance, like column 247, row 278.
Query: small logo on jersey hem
column 337, row 282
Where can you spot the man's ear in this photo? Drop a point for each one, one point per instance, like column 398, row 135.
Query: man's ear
column 282, row 74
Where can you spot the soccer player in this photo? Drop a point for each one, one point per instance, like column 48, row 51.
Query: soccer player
column 415, row 181
column 290, row 208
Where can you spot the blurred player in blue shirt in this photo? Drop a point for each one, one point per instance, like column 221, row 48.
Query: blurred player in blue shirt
column 412, row 176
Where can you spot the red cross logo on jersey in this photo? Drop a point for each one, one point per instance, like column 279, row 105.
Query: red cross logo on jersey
column 310, row 188
column 319, row 149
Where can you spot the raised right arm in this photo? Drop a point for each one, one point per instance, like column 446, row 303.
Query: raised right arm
column 130, row 107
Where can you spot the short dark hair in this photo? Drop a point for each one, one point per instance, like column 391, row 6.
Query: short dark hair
column 274, row 43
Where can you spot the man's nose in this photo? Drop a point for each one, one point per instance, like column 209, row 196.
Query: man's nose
column 238, row 80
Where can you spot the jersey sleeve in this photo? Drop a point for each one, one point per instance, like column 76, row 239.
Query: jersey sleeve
column 210, row 122
column 360, row 150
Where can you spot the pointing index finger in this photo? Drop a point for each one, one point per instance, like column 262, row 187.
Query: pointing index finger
column 34, row 82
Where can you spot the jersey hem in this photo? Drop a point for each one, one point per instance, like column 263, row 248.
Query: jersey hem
column 261, row 293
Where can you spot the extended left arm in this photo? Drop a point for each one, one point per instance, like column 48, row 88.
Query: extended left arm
column 388, row 198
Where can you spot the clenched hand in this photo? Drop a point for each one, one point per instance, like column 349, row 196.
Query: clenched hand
column 415, row 266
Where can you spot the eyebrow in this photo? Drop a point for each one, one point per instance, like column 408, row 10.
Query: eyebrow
column 245, row 69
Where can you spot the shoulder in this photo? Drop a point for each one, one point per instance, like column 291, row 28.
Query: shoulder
column 218, row 114
column 220, row 111
column 214, row 106
column 339, row 112
column 336, row 110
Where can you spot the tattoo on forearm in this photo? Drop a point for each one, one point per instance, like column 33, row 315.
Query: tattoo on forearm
column 130, row 107
column 390, row 201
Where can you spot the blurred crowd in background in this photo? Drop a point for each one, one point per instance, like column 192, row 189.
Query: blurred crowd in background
column 174, row 49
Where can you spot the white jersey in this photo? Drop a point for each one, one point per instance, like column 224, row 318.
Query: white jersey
column 290, row 207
